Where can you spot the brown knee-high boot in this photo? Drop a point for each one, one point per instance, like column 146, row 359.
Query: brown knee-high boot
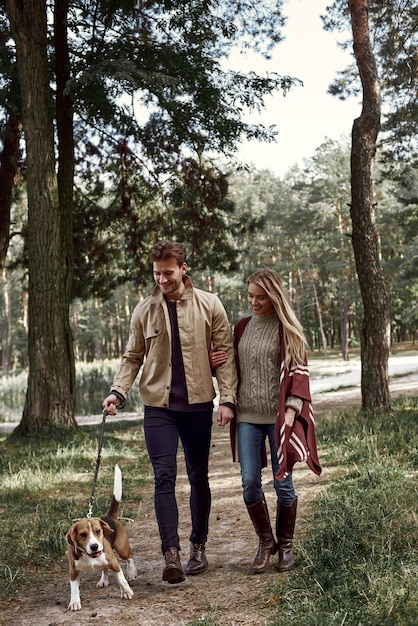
column 285, row 527
column 259, row 515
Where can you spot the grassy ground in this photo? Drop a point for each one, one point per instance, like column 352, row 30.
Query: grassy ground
column 39, row 501
column 359, row 560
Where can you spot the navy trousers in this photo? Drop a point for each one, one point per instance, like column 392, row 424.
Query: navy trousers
column 164, row 429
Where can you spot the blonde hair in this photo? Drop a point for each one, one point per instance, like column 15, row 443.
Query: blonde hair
column 294, row 338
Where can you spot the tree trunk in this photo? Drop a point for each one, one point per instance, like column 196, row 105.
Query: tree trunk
column 375, row 337
column 8, row 169
column 344, row 317
column 50, row 394
column 6, row 330
column 65, row 178
column 318, row 308
column 344, row 331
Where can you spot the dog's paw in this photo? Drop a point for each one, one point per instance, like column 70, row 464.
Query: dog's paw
column 127, row 594
column 131, row 572
column 74, row 606
column 104, row 580
column 102, row 583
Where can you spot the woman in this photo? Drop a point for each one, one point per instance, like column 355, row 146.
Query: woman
column 274, row 405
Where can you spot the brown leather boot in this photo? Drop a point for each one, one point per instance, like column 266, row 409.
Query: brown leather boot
column 259, row 515
column 173, row 572
column 198, row 562
column 285, row 527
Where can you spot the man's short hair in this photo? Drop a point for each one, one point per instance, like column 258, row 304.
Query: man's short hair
column 168, row 250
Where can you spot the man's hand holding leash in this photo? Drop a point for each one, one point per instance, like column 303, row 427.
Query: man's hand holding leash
column 111, row 404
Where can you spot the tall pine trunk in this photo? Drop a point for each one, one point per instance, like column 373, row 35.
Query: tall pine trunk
column 375, row 336
column 50, row 394
column 8, row 169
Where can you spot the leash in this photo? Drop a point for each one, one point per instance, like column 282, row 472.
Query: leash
column 99, row 451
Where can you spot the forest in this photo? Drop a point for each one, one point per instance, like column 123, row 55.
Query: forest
column 299, row 225
column 109, row 146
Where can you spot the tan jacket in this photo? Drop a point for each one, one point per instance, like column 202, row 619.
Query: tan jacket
column 202, row 321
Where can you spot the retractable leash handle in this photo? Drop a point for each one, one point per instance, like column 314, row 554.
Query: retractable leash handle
column 96, row 472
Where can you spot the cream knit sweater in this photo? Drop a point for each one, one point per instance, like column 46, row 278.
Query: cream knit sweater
column 258, row 351
column 259, row 360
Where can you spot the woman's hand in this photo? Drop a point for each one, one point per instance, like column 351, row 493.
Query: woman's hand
column 289, row 416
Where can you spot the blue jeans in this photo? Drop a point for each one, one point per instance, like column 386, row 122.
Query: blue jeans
column 163, row 430
column 251, row 441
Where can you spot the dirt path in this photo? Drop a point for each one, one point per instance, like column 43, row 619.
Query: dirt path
column 228, row 592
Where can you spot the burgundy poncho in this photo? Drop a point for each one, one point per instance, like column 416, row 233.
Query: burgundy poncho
column 299, row 442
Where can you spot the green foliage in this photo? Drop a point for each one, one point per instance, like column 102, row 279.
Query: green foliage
column 287, row 225
column 245, row 220
column 358, row 563
column 38, row 507
column 368, row 437
column 268, row 227
column 394, row 36
column 148, row 121
column 148, row 109
column 93, row 382
column 203, row 217
column 12, row 396
column 142, row 112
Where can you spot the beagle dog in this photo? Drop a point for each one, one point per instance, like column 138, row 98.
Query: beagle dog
column 92, row 542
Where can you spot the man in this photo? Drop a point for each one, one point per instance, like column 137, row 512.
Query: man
column 174, row 329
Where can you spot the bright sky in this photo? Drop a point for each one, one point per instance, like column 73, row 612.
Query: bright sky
column 307, row 115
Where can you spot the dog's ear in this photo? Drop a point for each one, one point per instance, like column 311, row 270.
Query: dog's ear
column 106, row 528
column 71, row 538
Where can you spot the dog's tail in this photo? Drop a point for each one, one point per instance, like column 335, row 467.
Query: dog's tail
column 117, row 492
column 117, row 483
